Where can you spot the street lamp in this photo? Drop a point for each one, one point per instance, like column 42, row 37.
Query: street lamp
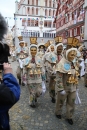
column 85, row 25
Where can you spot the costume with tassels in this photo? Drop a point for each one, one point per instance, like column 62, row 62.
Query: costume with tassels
column 41, row 50
column 50, row 49
column 34, row 72
column 21, row 52
column 59, row 48
column 85, row 78
column 51, row 60
column 13, row 52
column 66, row 84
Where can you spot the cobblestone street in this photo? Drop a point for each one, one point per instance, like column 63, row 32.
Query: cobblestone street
column 23, row 117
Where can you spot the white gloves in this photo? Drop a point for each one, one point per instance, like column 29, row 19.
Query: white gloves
column 63, row 92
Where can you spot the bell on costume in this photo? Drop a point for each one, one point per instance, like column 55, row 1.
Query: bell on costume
column 35, row 72
column 39, row 72
column 38, row 66
column 69, row 80
column 76, row 81
column 29, row 66
column 69, row 72
column 77, row 74
column 72, row 79
column 31, row 72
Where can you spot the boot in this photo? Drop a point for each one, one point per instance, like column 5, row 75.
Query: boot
column 58, row 116
column 53, row 100
column 70, row 121
column 20, row 81
column 33, row 106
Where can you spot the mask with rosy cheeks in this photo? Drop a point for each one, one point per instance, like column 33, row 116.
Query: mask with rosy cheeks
column 71, row 55
column 33, row 51
column 52, row 48
column 22, row 44
column 59, row 50
column 41, row 48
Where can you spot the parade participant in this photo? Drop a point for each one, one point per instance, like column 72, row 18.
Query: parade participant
column 51, row 60
column 85, row 78
column 59, row 51
column 22, row 52
column 34, row 71
column 41, row 50
column 50, row 49
column 66, row 83
column 9, row 88
column 12, row 52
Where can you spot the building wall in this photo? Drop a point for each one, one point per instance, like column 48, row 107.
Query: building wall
column 70, row 19
column 45, row 23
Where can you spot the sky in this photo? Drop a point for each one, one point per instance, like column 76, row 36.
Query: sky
column 7, row 9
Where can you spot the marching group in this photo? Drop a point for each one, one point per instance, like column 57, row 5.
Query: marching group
column 61, row 68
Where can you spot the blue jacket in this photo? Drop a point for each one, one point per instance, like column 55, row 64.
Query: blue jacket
column 9, row 92
column 9, row 95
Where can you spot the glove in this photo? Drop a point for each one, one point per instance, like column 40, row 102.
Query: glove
column 63, row 92
column 77, row 90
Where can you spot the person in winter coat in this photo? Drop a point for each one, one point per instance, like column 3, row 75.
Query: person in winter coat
column 9, row 95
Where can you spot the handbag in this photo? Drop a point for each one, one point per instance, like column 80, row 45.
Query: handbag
column 77, row 100
column 43, row 87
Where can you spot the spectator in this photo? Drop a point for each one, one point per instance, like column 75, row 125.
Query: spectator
column 9, row 95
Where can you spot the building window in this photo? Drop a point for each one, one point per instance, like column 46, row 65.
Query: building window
column 29, row 23
column 24, row 10
column 53, row 5
column 28, row 1
column 49, row 24
column 28, row 10
column 45, row 23
column 75, row 31
column 23, row 22
column 32, row 2
column 66, row 19
column 49, row 35
column 70, row 33
column 36, row 23
column 54, row 25
column 46, row 3
column 32, row 22
column 33, row 11
column 53, row 12
column 49, row 3
column 36, row 11
column 82, row 30
column 45, row 12
column 49, row 12
column 37, row 2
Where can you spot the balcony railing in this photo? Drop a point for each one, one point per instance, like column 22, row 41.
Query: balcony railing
column 37, row 34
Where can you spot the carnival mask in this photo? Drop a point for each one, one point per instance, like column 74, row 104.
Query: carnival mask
column 59, row 50
column 52, row 48
column 22, row 44
column 41, row 48
column 71, row 55
column 33, row 51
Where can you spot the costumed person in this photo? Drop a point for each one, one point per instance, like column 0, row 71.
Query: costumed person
column 41, row 50
column 51, row 63
column 34, row 71
column 9, row 88
column 12, row 52
column 22, row 52
column 80, row 61
column 59, row 51
column 66, row 84
column 85, row 77
column 50, row 49
column 74, row 42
